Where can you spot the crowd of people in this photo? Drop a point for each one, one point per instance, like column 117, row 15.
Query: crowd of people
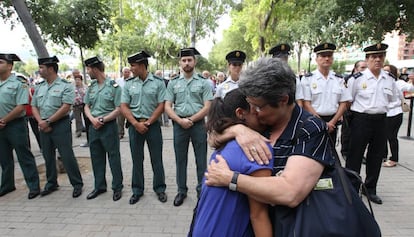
column 263, row 113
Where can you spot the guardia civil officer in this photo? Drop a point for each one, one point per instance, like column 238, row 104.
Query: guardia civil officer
column 235, row 61
column 14, row 95
column 282, row 51
column 191, row 96
column 372, row 90
column 102, row 102
column 142, row 104
column 325, row 94
column 51, row 104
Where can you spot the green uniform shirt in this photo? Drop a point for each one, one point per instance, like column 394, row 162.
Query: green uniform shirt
column 188, row 96
column 103, row 99
column 143, row 97
column 13, row 91
column 49, row 98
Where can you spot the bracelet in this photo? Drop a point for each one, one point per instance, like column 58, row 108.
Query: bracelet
column 233, row 183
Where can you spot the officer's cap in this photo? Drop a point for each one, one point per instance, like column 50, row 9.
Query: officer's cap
column 10, row 57
column 188, row 52
column 138, row 57
column 376, row 48
column 49, row 60
column 280, row 50
column 325, row 47
column 90, row 62
column 236, row 56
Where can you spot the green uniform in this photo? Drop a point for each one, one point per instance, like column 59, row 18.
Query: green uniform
column 48, row 99
column 102, row 100
column 143, row 97
column 188, row 97
column 14, row 91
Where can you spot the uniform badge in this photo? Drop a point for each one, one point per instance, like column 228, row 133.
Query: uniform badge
column 314, row 86
column 364, row 85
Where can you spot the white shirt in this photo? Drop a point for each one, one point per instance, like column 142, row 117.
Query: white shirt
column 394, row 108
column 324, row 93
column 120, row 82
column 225, row 87
column 371, row 95
column 299, row 90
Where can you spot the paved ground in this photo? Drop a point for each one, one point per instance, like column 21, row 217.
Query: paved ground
column 60, row 215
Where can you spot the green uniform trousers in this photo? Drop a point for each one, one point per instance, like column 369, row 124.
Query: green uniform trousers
column 101, row 142
column 197, row 134
column 61, row 138
column 14, row 136
column 155, row 142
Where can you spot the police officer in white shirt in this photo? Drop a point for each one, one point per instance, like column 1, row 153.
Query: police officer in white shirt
column 325, row 94
column 372, row 91
column 235, row 61
column 282, row 51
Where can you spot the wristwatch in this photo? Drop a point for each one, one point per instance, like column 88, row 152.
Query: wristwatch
column 48, row 121
column 233, row 183
column 100, row 119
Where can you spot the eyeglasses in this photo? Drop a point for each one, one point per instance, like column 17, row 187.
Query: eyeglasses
column 257, row 108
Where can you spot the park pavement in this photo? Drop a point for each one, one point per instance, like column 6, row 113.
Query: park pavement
column 58, row 214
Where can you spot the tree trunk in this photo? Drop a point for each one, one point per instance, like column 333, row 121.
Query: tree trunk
column 31, row 29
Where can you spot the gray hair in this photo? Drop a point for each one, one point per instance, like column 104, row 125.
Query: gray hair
column 270, row 79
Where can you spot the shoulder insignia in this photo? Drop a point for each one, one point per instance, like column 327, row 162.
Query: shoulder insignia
column 113, row 83
column 22, row 80
column 65, row 81
column 308, row 74
column 339, row 75
column 129, row 79
column 356, row 75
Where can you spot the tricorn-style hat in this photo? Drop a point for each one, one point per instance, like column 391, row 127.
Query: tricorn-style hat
column 9, row 58
column 236, row 56
column 138, row 57
column 325, row 47
column 188, row 52
column 90, row 62
column 49, row 60
column 376, row 48
column 280, row 50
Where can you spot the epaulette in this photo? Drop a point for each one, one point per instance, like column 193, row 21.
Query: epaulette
column 65, row 81
column 391, row 75
column 22, row 80
column 176, row 77
column 309, row 74
column 339, row 75
column 201, row 76
column 356, row 75
column 91, row 82
column 113, row 83
column 157, row 77
column 129, row 78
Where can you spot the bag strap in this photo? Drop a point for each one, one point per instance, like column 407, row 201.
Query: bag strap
column 342, row 176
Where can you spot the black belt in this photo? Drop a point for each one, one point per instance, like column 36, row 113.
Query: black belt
column 138, row 119
column 368, row 116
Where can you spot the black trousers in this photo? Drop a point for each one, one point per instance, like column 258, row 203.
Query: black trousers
column 393, row 124
column 367, row 130
column 332, row 134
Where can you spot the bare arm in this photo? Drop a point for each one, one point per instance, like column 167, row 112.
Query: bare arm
column 307, row 105
column 13, row 114
column 95, row 121
column 259, row 214
column 183, row 122
column 289, row 189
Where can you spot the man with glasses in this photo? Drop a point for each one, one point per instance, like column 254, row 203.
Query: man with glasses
column 235, row 61
column 372, row 90
column 325, row 94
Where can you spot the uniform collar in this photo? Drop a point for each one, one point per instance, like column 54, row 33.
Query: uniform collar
column 331, row 74
column 370, row 75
